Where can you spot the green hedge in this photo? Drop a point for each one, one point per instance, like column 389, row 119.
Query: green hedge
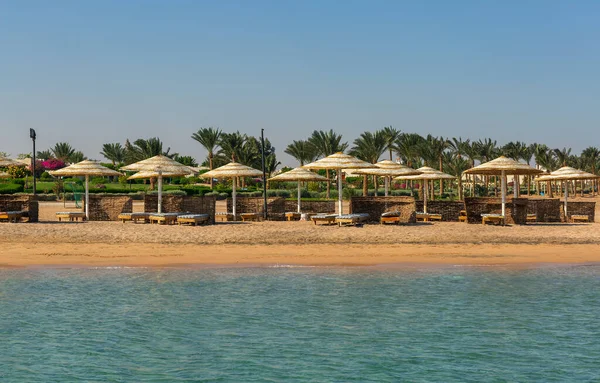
column 11, row 188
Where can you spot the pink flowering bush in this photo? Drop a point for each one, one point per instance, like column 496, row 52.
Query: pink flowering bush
column 53, row 164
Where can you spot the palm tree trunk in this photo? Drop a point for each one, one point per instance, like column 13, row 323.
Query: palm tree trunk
column 365, row 185
column 375, row 185
column 328, row 195
column 528, row 186
column 441, row 181
column 210, row 164
column 460, row 191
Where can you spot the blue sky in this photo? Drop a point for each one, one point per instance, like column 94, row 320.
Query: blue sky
column 91, row 72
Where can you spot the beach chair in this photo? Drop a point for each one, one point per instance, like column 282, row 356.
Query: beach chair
column 193, row 219
column 292, row 216
column 250, row 217
column 580, row 218
column 426, row 217
column 493, row 218
column 462, row 216
column 390, row 217
column 134, row 217
column 531, row 218
column 163, row 218
column 11, row 216
column 70, row 215
column 225, row 217
column 324, row 219
column 351, row 219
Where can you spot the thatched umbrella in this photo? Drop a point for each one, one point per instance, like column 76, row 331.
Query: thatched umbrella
column 388, row 169
column 503, row 166
column 160, row 165
column 567, row 173
column 427, row 174
column 86, row 168
column 232, row 170
column 299, row 175
column 6, row 162
column 339, row 161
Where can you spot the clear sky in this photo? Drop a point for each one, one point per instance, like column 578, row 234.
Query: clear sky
column 92, row 72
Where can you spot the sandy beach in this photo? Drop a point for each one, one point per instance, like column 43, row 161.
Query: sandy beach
column 295, row 243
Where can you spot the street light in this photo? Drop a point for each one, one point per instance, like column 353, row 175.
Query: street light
column 262, row 140
column 32, row 135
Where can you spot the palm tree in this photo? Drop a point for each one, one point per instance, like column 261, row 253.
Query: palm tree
column 142, row 149
column 407, row 146
column 326, row 144
column 186, row 160
column 62, row 151
column 113, row 152
column 437, row 148
column 592, row 154
column 457, row 165
column 232, row 144
column 563, row 155
column 77, row 156
column 209, row 138
column 43, row 155
column 390, row 135
column 303, row 151
column 369, row 147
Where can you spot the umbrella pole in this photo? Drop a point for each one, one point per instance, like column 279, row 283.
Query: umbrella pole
column 425, row 192
column 516, row 186
column 340, row 191
column 503, row 191
column 566, row 196
column 299, row 195
column 233, row 193
column 87, row 197
column 387, row 185
column 159, row 192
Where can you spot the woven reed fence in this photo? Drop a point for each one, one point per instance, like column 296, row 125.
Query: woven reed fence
column 276, row 206
column 545, row 209
column 108, row 207
column 311, row 206
column 516, row 209
column 25, row 203
column 180, row 203
column 450, row 210
column 375, row 206
column 579, row 208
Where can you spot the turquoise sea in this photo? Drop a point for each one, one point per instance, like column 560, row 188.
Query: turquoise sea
column 447, row 324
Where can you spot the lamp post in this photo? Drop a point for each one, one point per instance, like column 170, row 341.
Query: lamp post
column 262, row 140
column 32, row 135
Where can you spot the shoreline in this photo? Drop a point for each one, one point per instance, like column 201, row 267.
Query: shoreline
column 73, row 255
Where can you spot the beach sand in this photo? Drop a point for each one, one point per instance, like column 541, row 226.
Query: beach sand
column 49, row 243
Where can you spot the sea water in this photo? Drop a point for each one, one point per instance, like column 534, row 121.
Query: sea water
column 450, row 324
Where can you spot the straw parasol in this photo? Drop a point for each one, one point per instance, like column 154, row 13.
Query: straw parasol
column 6, row 162
column 427, row 174
column 567, row 173
column 86, row 168
column 503, row 166
column 299, row 175
column 160, row 165
column 232, row 170
column 388, row 169
column 339, row 161
column 197, row 169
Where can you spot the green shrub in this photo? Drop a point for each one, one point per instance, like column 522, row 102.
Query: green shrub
column 18, row 181
column 46, row 176
column 11, row 188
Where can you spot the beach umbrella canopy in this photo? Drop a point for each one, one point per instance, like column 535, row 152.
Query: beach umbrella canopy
column 339, row 161
column 6, row 162
column 86, row 168
column 503, row 166
column 567, row 173
column 232, row 170
column 155, row 174
column 427, row 174
column 387, row 169
column 160, row 165
column 299, row 175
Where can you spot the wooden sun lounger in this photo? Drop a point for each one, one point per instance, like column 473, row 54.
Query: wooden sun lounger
column 462, row 216
column 426, row 217
column 292, row 216
column 351, row 219
column 580, row 218
column 11, row 216
column 193, row 219
column 390, row 217
column 492, row 218
column 250, row 217
column 531, row 218
column 134, row 217
column 324, row 219
column 224, row 217
column 163, row 218
column 70, row 215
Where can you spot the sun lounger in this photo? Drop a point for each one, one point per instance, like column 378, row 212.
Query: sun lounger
column 580, row 218
column 163, row 218
column 292, row 216
column 193, row 219
column 250, row 217
column 462, row 216
column 70, row 215
column 493, row 218
column 224, row 216
column 426, row 217
column 351, row 219
column 134, row 217
column 324, row 219
column 531, row 218
column 11, row 216
column 390, row 217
